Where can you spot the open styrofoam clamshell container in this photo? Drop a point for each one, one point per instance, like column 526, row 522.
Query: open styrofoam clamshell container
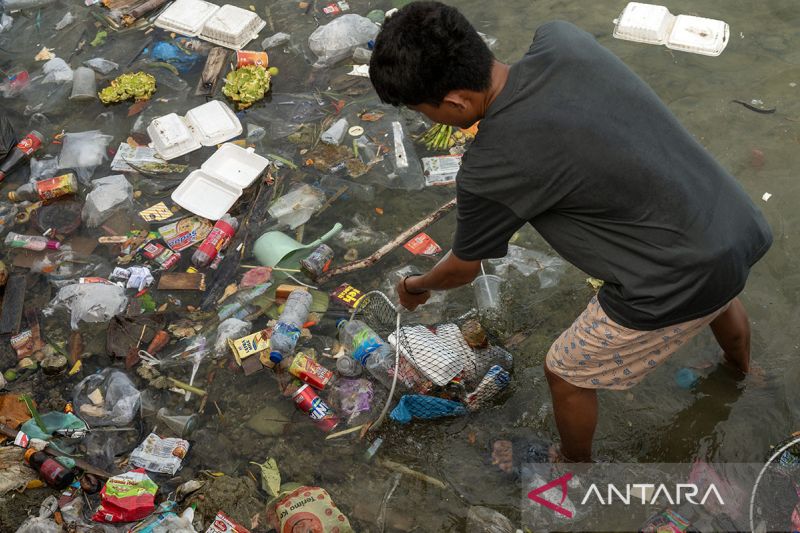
column 205, row 125
column 212, row 190
column 186, row 17
column 229, row 26
column 653, row 24
column 232, row 27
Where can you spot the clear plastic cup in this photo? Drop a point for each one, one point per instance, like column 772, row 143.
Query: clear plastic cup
column 84, row 84
column 487, row 292
column 181, row 425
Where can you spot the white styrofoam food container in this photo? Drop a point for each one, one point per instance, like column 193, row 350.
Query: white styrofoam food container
column 186, row 17
column 653, row 24
column 212, row 190
column 232, row 27
column 228, row 26
column 205, row 125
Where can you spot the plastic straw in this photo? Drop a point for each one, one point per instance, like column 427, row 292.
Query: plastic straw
column 486, row 282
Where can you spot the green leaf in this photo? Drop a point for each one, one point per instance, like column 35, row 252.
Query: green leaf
column 270, row 476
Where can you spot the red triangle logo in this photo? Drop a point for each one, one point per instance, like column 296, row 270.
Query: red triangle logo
column 559, row 482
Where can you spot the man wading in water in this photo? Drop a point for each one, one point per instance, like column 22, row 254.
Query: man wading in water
column 574, row 143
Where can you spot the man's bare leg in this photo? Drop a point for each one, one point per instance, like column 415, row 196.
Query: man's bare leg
column 575, row 410
column 732, row 331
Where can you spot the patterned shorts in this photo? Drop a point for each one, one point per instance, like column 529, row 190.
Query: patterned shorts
column 597, row 353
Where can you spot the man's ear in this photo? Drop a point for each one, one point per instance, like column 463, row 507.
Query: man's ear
column 457, row 99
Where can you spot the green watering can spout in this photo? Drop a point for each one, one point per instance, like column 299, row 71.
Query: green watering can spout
column 275, row 248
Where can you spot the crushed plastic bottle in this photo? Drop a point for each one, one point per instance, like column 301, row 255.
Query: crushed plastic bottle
column 287, row 330
column 366, row 347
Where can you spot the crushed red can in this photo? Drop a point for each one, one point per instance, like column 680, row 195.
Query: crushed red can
column 320, row 412
column 250, row 57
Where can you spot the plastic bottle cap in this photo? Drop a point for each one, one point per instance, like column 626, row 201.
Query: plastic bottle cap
column 28, row 453
column 275, row 357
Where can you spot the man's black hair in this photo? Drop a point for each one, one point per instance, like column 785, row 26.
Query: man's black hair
column 426, row 50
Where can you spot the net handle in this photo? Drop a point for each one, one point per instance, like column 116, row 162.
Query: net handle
column 375, row 425
column 381, row 418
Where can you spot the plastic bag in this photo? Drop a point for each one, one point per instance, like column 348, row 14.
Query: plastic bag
column 90, row 302
column 44, row 168
column 109, row 195
column 549, row 269
column 231, row 328
column 8, row 138
column 484, row 520
column 101, row 65
column 275, row 40
column 336, row 40
column 5, row 22
column 84, row 152
column 107, row 398
column 307, row 509
column 56, row 71
column 57, row 424
column 296, row 207
column 127, row 498
column 65, row 21
column 36, row 524
column 425, row 407
column 171, row 53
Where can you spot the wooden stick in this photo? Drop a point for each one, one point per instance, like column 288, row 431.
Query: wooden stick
column 141, row 10
column 390, row 246
column 403, row 469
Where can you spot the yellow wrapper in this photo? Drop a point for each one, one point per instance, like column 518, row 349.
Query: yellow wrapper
column 250, row 345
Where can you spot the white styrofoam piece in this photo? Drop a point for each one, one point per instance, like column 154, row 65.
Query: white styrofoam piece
column 232, row 27
column 171, row 136
column 212, row 190
column 186, row 17
column 699, row 35
column 236, row 165
column 644, row 23
column 213, row 123
column 205, row 125
column 653, row 24
column 205, row 195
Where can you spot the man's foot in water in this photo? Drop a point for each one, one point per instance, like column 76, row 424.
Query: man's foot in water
column 503, row 455
column 755, row 372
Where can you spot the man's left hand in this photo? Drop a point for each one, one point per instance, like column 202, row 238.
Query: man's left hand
column 408, row 300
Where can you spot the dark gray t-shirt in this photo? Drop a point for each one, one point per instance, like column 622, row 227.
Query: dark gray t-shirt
column 580, row 147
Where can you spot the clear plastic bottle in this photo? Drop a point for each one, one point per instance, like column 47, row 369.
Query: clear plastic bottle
column 348, row 367
column 287, row 330
column 366, row 347
column 30, row 242
column 216, row 241
column 233, row 306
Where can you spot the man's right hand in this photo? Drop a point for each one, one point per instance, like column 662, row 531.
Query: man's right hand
column 408, row 300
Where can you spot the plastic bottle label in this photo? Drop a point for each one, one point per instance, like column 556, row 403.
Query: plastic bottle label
column 51, row 470
column 364, row 343
column 217, row 239
column 287, row 330
column 56, row 187
column 29, row 144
